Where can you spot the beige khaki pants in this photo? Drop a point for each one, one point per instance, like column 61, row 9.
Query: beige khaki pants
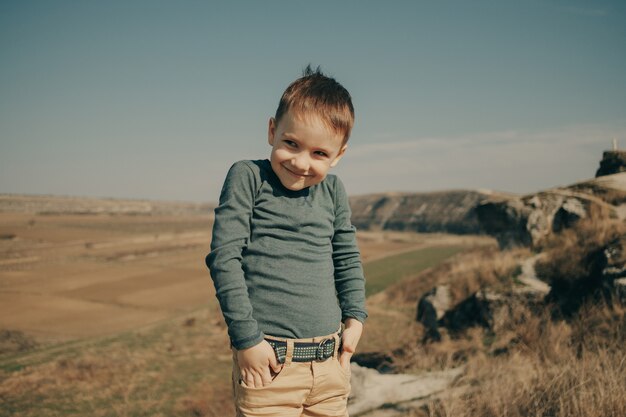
column 313, row 388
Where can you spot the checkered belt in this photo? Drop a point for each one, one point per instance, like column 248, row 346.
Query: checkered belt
column 304, row 351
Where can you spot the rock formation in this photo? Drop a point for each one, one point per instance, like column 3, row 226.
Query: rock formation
column 528, row 220
column 612, row 162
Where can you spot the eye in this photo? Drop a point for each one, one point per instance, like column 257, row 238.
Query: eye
column 290, row 143
column 320, row 153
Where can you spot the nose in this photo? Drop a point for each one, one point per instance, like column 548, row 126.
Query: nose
column 300, row 162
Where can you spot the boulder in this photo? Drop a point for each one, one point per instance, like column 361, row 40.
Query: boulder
column 431, row 308
column 568, row 214
column 476, row 310
column 601, row 272
column 382, row 362
column 492, row 310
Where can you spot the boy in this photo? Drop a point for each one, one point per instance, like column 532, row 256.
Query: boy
column 285, row 263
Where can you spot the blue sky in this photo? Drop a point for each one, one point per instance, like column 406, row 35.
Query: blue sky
column 156, row 99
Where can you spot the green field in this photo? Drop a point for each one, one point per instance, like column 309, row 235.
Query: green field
column 384, row 272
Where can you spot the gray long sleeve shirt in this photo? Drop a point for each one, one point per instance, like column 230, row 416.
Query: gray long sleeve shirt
column 284, row 263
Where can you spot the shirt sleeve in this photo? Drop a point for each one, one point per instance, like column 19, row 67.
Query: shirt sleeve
column 349, row 277
column 230, row 237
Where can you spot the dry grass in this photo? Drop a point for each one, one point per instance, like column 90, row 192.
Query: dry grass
column 553, row 370
column 532, row 363
column 573, row 261
column 179, row 368
column 207, row 401
column 12, row 341
column 610, row 195
column 466, row 273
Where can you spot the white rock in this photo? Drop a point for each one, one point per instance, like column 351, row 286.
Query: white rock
column 371, row 389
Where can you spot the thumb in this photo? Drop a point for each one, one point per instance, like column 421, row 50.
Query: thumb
column 277, row 366
column 347, row 349
column 347, row 346
column 344, row 358
column 274, row 364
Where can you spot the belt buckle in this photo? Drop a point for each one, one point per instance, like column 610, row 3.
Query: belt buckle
column 319, row 351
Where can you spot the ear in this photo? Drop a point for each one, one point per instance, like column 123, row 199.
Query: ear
column 271, row 131
column 339, row 155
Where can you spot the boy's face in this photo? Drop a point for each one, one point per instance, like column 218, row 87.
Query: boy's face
column 303, row 150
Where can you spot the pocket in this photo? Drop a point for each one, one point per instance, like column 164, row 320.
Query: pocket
column 279, row 391
column 341, row 383
column 346, row 373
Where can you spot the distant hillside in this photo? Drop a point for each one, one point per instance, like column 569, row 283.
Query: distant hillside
column 441, row 211
column 50, row 204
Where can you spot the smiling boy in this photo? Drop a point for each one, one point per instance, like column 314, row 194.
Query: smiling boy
column 285, row 262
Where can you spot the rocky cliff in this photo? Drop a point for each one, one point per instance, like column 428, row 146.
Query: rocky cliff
column 515, row 220
column 528, row 220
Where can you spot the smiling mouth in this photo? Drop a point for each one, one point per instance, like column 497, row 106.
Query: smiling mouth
column 296, row 175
